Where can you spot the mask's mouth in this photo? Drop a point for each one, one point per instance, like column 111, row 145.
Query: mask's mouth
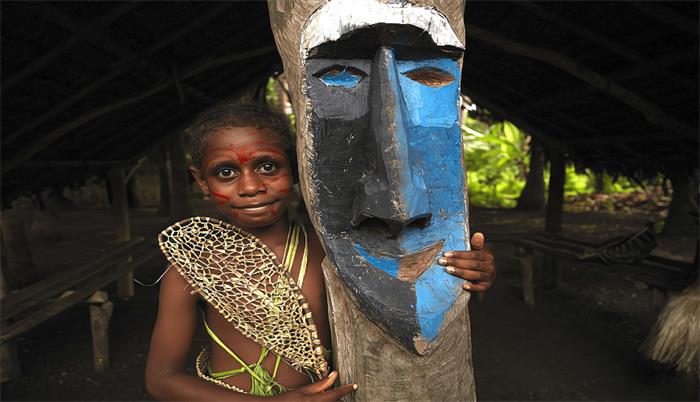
column 406, row 267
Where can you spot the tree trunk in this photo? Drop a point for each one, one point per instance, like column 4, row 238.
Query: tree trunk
column 384, row 370
column 679, row 221
column 532, row 196
column 555, row 199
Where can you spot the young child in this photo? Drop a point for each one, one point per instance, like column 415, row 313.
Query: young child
column 242, row 157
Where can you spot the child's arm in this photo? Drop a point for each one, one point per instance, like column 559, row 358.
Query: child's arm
column 166, row 378
column 477, row 266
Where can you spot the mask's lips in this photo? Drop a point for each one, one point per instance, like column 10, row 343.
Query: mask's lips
column 412, row 266
column 405, row 267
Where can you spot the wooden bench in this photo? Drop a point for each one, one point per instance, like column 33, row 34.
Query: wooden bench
column 660, row 274
column 28, row 307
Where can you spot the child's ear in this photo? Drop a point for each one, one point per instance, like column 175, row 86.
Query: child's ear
column 199, row 178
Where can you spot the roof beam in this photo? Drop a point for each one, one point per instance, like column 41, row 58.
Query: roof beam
column 650, row 111
column 116, row 70
column 46, row 140
column 605, row 42
column 622, row 74
column 581, row 30
column 488, row 102
column 669, row 17
column 51, row 55
column 100, row 39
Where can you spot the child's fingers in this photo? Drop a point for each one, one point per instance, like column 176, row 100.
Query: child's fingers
column 337, row 393
column 469, row 274
column 475, row 287
column 477, row 241
column 483, row 255
column 320, row 385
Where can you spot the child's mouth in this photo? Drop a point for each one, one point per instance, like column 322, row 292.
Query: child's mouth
column 256, row 207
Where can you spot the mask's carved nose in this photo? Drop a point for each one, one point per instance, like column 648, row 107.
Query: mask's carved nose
column 389, row 191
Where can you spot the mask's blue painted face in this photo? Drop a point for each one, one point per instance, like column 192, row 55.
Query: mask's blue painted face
column 388, row 174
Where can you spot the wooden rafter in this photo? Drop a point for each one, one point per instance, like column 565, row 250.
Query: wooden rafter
column 600, row 40
column 116, row 70
column 651, row 112
column 627, row 73
column 481, row 98
column 669, row 17
column 46, row 140
column 67, row 44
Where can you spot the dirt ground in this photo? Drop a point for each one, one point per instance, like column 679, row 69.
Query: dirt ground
column 579, row 342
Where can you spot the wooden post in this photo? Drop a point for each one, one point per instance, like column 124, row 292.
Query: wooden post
column 18, row 266
column 385, row 370
column 179, row 201
column 527, row 265
column 9, row 361
column 555, row 205
column 100, row 313
column 120, row 206
column 164, row 179
column 532, row 196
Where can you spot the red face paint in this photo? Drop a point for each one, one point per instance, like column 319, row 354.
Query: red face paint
column 252, row 197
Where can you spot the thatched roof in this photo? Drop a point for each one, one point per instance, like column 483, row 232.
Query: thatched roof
column 91, row 85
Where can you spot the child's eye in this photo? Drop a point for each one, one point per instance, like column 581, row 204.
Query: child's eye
column 267, row 168
column 226, row 173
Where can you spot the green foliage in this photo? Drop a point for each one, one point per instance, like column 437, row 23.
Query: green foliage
column 496, row 157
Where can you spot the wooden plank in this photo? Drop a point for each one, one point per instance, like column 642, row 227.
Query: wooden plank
column 97, row 282
column 30, row 296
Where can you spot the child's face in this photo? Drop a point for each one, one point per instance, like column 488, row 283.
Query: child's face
column 247, row 174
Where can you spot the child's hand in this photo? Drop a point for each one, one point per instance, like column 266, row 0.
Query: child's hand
column 316, row 391
column 476, row 266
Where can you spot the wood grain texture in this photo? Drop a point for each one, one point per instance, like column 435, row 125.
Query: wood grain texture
column 385, row 371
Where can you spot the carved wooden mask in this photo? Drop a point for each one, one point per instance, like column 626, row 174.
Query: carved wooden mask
column 375, row 87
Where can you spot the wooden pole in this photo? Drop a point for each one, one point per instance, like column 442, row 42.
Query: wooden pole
column 120, row 206
column 164, row 179
column 385, row 370
column 179, row 201
column 555, row 206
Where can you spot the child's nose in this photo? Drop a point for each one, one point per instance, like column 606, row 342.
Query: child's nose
column 250, row 185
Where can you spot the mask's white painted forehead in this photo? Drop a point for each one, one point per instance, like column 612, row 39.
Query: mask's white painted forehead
column 338, row 17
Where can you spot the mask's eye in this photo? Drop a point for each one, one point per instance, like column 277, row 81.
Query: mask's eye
column 267, row 168
column 226, row 173
column 340, row 76
column 430, row 76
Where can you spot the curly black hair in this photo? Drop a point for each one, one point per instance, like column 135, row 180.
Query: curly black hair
column 229, row 114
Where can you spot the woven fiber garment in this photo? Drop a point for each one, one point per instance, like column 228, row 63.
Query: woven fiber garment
column 241, row 277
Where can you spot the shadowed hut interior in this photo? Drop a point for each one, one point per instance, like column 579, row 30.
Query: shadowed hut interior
column 96, row 89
